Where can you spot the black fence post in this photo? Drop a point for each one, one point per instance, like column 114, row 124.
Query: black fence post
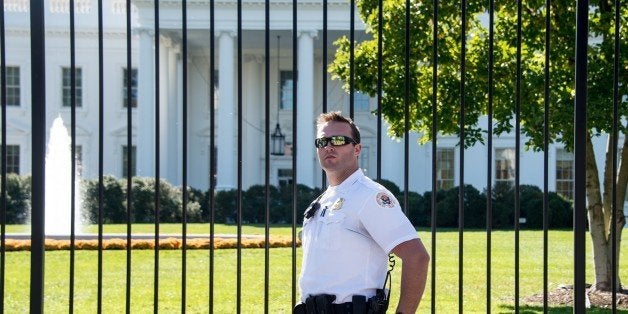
column 38, row 124
column 580, row 133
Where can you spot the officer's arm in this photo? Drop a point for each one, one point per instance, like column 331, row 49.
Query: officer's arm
column 413, row 274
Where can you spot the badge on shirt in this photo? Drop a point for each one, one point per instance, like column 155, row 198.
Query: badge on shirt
column 384, row 200
column 338, row 204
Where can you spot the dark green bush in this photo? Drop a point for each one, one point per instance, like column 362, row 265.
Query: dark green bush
column 474, row 208
column 113, row 200
column 18, row 198
column 503, row 205
column 560, row 211
column 143, row 196
column 225, row 208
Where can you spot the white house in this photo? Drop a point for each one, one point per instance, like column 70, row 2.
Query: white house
column 310, row 66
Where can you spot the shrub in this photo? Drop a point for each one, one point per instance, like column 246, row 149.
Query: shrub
column 503, row 205
column 474, row 208
column 114, row 210
column 170, row 202
column 560, row 211
column 18, row 198
column 225, row 206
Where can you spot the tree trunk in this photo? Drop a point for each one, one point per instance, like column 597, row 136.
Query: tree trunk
column 600, row 212
column 595, row 213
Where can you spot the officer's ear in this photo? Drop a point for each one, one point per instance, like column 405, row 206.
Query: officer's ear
column 357, row 149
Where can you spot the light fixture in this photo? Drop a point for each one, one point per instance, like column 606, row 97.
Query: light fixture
column 278, row 139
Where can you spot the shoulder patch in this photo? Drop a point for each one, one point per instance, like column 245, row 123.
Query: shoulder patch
column 384, row 200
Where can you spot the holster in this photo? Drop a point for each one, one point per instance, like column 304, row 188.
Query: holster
column 378, row 304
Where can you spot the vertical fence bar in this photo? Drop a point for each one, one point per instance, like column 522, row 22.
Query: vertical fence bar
column 101, row 159
column 463, row 43
column 433, row 202
column 38, row 125
column 267, row 153
column 580, row 134
column 546, row 136
column 489, row 151
column 184, row 170
column 517, row 153
column 212, row 150
column 406, row 112
column 324, row 77
column 324, row 68
column 157, row 162
column 129, row 158
column 351, row 58
column 73, row 150
column 380, row 78
column 615, row 252
column 295, row 87
column 239, row 195
column 3, row 156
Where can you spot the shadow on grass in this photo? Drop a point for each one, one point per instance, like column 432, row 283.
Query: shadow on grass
column 529, row 309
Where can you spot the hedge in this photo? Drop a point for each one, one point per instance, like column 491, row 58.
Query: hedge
column 253, row 204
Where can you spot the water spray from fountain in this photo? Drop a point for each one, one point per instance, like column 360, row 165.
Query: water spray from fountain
column 59, row 181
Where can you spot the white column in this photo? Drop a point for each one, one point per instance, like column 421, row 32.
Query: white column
column 174, row 164
column 254, row 114
column 226, row 175
column 305, row 107
column 164, row 119
column 179, row 111
column 146, row 107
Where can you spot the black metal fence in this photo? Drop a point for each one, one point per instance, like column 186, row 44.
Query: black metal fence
column 38, row 122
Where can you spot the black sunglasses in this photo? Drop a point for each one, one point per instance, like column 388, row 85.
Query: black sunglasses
column 336, row 140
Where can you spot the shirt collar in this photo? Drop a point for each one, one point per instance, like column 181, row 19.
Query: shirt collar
column 347, row 183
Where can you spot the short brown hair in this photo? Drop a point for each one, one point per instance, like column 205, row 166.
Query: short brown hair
column 337, row 116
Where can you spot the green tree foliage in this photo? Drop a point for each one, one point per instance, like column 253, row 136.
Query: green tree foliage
column 510, row 95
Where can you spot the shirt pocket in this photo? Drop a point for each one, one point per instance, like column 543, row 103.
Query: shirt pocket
column 331, row 231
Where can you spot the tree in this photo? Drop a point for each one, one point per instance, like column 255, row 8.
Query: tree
column 532, row 80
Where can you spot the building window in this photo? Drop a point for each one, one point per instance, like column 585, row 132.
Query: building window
column 13, row 159
column 361, row 101
column 284, row 177
column 13, row 85
column 364, row 159
column 125, row 85
column 504, row 165
column 444, row 168
column 125, row 154
column 285, row 92
column 564, row 173
column 67, row 87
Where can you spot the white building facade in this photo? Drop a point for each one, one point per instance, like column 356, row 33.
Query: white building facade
column 311, row 73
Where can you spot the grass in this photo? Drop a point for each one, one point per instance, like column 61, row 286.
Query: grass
column 280, row 284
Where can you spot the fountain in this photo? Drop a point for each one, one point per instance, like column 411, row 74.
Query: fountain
column 58, row 183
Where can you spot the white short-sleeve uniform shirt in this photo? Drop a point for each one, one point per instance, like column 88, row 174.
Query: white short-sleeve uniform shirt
column 347, row 242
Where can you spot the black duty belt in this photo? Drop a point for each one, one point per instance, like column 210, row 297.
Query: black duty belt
column 322, row 304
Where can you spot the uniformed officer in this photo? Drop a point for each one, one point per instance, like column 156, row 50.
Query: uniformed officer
column 350, row 229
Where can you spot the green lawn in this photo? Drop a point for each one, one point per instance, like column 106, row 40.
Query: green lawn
column 225, row 275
